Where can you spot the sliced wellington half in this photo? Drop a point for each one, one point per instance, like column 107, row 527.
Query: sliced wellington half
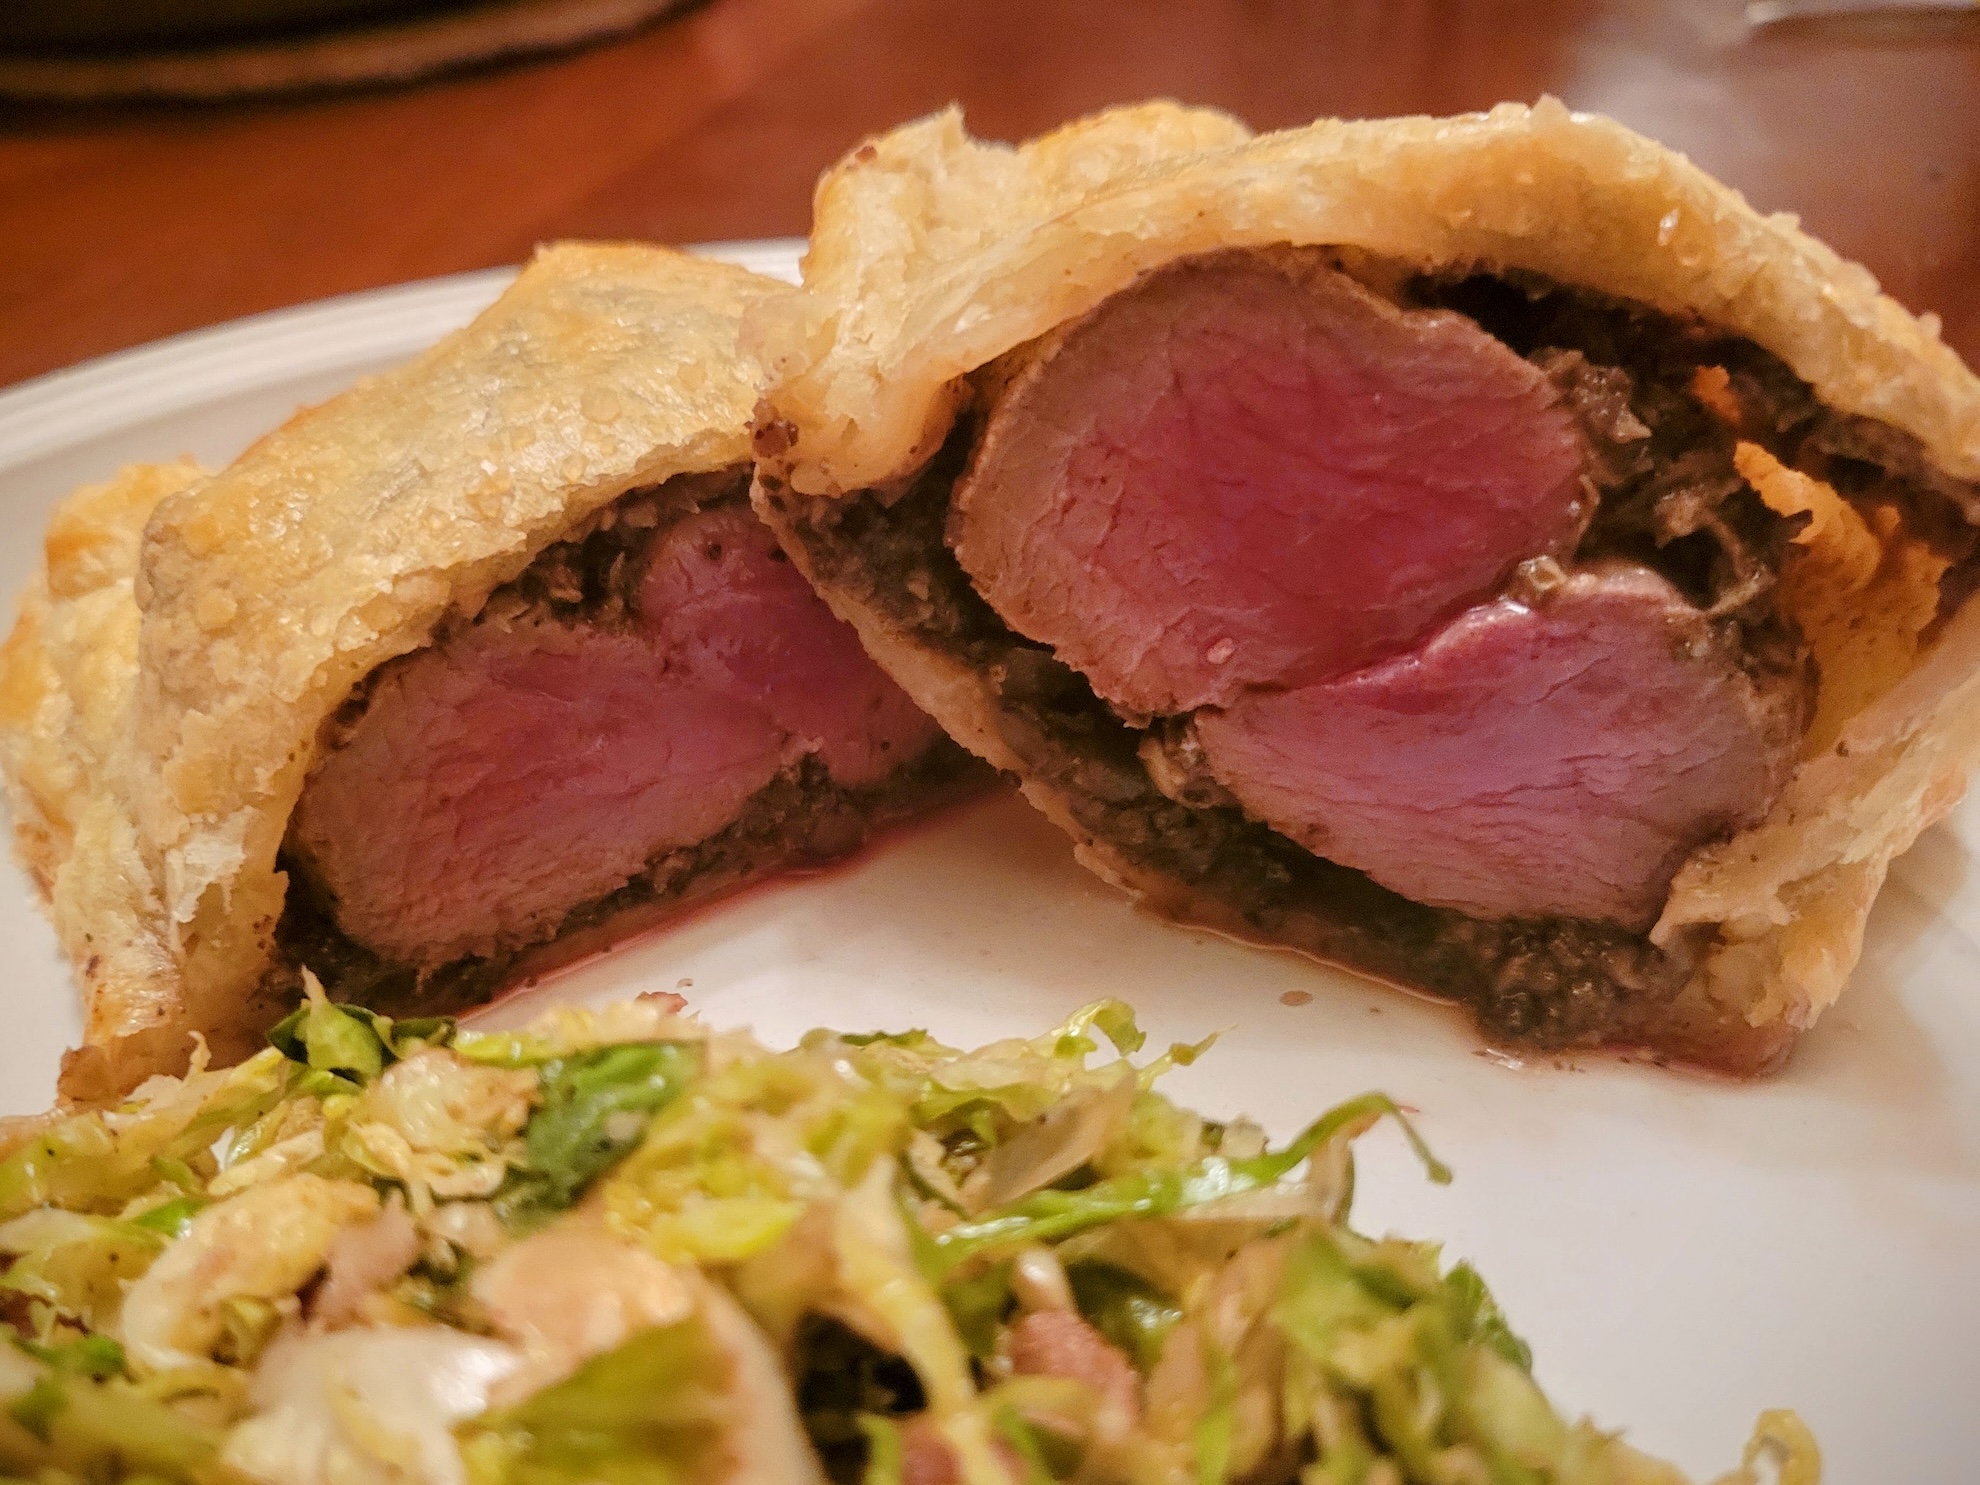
column 1480, row 552
column 469, row 669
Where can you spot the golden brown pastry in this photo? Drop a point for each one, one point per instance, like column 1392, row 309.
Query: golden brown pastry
column 1481, row 552
column 474, row 665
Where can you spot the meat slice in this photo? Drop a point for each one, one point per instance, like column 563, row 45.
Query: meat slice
column 1558, row 758
column 1248, row 470
column 725, row 606
column 518, row 769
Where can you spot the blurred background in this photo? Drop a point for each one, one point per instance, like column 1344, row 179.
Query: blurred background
column 165, row 164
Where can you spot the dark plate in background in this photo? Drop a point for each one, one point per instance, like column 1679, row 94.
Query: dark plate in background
column 118, row 25
column 212, row 51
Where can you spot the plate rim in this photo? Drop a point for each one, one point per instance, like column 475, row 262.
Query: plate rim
column 62, row 408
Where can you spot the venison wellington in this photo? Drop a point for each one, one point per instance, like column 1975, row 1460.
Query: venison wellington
column 474, row 667
column 1480, row 552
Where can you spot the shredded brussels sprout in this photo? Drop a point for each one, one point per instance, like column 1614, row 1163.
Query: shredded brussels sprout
column 652, row 1411
column 617, row 1247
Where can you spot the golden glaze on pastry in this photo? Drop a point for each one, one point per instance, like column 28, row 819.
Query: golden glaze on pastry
column 934, row 255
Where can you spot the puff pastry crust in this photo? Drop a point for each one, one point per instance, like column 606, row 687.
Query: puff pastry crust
column 163, row 694
column 933, row 254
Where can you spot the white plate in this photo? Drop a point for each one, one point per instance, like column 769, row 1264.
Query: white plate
column 1681, row 1252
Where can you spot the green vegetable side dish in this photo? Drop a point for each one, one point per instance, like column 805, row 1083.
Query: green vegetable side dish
column 619, row 1247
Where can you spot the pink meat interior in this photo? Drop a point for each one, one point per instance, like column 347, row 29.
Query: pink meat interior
column 1250, row 491
column 1558, row 760
column 517, row 770
column 1249, row 470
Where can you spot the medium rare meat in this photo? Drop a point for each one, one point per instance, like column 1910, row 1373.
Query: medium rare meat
column 1552, row 757
column 726, row 608
column 1250, row 489
column 1247, row 469
column 528, row 764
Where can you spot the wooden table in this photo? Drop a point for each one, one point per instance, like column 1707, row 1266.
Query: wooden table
column 120, row 225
